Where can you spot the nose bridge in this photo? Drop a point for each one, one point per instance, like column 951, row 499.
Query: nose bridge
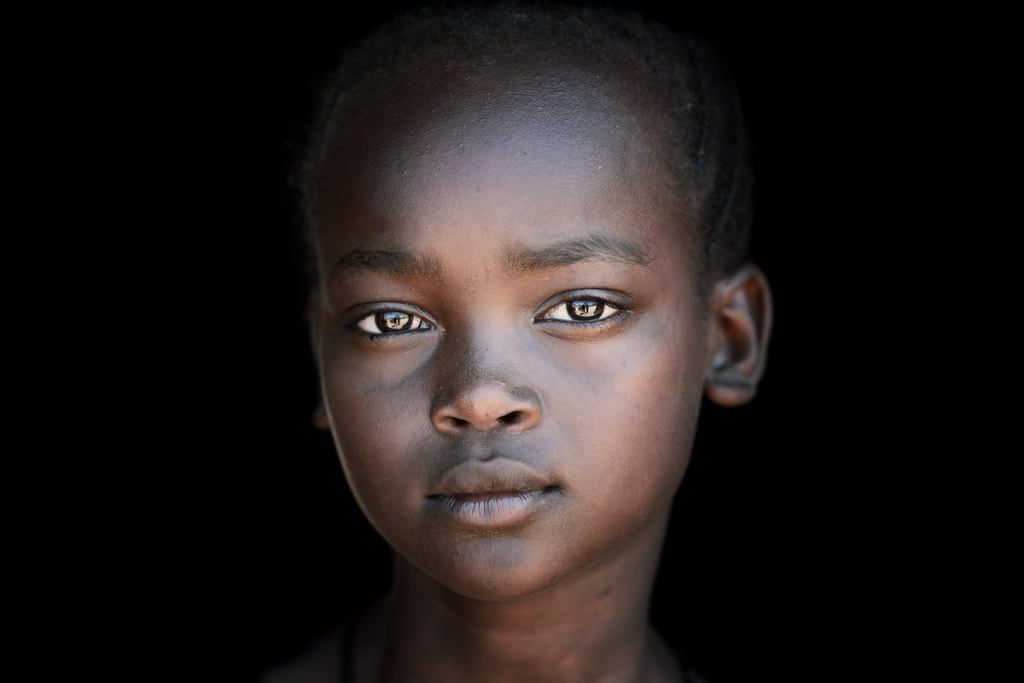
column 483, row 384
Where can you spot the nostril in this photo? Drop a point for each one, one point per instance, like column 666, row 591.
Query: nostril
column 484, row 407
column 515, row 417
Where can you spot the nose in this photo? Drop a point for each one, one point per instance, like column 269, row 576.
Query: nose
column 486, row 407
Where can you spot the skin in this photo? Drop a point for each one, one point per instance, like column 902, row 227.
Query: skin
column 520, row 463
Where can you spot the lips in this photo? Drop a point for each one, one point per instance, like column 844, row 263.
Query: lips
column 491, row 494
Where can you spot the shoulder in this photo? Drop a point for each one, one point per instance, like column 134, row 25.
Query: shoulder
column 318, row 663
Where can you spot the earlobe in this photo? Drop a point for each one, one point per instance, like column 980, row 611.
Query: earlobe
column 741, row 322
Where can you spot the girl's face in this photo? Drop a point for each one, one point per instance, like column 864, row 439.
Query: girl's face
column 510, row 343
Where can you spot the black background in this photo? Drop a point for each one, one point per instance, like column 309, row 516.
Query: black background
column 783, row 536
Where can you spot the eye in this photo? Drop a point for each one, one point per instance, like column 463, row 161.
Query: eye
column 581, row 310
column 391, row 322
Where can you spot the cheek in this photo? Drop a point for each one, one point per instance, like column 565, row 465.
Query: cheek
column 375, row 432
column 638, row 412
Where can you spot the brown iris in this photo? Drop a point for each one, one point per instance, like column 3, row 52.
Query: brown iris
column 584, row 309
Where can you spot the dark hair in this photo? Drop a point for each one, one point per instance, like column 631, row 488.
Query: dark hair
column 708, row 150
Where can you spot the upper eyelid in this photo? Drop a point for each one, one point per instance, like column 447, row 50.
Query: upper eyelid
column 364, row 311
column 621, row 302
column 385, row 307
column 617, row 313
column 566, row 302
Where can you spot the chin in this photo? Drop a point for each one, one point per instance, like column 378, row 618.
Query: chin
column 497, row 570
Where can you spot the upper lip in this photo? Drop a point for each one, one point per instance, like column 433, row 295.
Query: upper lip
column 497, row 475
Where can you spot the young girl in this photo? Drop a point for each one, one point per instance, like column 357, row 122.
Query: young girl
column 528, row 227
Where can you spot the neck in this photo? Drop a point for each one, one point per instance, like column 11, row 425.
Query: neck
column 591, row 627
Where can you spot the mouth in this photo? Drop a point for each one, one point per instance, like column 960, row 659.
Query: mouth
column 491, row 494
column 491, row 509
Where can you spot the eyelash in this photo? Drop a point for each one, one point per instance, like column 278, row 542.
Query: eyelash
column 373, row 324
column 378, row 319
column 606, row 311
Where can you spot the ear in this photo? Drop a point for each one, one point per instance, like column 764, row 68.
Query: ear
column 741, row 323
column 314, row 324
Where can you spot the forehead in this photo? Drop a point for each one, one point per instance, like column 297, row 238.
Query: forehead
column 538, row 142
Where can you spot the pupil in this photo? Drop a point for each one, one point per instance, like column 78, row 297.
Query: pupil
column 394, row 320
column 585, row 310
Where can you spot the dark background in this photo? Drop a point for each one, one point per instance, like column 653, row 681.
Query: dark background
column 783, row 539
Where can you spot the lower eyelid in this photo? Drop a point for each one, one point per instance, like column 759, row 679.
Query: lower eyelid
column 616, row 311
column 421, row 324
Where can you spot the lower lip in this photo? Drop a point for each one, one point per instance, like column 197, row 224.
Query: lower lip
column 491, row 510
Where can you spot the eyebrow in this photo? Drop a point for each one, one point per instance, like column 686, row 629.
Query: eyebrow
column 398, row 264
column 390, row 263
column 569, row 252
